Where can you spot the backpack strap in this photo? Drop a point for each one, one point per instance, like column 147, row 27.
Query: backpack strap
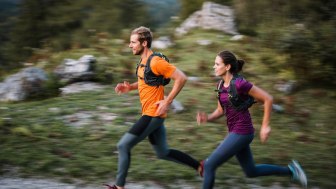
column 232, row 93
column 219, row 87
column 219, row 90
column 149, row 61
column 147, row 65
column 137, row 67
column 234, row 98
column 149, row 77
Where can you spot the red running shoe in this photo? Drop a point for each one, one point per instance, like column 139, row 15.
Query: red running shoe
column 201, row 170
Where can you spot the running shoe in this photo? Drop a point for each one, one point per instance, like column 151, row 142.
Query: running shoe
column 111, row 187
column 298, row 173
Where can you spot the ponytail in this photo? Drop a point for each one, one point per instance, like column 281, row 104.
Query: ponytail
column 229, row 58
column 240, row 64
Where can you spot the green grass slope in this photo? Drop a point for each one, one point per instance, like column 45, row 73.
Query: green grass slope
column 40, row 137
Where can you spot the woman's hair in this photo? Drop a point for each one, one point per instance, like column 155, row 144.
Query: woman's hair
column 229, row 58
column 144, row 35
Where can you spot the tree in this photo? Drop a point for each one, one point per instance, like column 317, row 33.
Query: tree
column 29, row 30
column 58, row 24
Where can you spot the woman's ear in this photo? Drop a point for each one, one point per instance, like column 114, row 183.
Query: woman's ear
column 228, row 67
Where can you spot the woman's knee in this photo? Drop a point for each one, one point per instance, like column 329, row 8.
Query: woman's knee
column 209, row 166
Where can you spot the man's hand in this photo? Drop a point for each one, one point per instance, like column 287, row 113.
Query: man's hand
column 163, row 107
column 122, row 88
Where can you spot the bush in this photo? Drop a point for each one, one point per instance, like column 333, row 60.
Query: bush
column 49, row 88
column 310, row 53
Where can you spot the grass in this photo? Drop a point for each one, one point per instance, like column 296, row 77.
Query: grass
column 37, row 137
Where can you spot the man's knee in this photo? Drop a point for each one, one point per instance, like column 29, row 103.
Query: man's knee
column 126, row 142
column 162, row 154
column 123, row 146
column 120, row 145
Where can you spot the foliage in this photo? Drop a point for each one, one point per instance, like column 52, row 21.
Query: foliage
column 295, row 29
column 189, row 8
column 298, row 45
column 47, row 89
column 63, row 24
column 161, row 11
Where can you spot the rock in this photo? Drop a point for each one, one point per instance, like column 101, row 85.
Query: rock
column 176, row 106
column 237, row 37
column 19, row 86
column 204, row 42
column 211, row 16
column 76, row 70
column 277, row 108
column 162, row 43
column 80, row 87
column 285, row 87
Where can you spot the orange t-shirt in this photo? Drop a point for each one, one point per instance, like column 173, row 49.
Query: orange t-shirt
column 149, row 95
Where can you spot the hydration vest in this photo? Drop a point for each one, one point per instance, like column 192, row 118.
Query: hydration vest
column 149, row 77
column 235, row 100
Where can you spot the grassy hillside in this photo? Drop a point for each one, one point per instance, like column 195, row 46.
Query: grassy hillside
column 41, row 138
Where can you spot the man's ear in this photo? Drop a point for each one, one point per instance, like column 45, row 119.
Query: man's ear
column 144, row 44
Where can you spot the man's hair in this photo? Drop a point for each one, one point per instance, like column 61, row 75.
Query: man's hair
column 144, row 35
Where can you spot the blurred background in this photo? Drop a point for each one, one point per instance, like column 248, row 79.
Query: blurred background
column 60, row 61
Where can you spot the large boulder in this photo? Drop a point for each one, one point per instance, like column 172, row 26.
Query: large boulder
column 211, row 16
column 21, row 85
column 71, row 70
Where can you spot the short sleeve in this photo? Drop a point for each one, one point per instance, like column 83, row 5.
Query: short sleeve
column 160, row 66
column 243, row 86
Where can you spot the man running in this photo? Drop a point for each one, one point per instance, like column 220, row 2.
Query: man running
column 154, row 107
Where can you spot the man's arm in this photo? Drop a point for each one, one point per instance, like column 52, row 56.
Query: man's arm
column 125, row 87
column 179, row 80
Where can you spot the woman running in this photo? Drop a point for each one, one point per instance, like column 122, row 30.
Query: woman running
column 239, row 122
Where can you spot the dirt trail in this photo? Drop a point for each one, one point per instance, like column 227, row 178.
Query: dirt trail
column 39, row 183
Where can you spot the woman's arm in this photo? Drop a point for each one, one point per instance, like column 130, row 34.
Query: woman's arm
column 267, row 100
column 202, row 117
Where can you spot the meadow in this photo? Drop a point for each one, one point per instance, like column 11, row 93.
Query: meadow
column 38, row 137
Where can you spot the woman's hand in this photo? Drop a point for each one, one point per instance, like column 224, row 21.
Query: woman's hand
column 265, row 131
column 201, row 117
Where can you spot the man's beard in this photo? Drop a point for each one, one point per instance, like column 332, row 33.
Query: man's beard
column 140, row 51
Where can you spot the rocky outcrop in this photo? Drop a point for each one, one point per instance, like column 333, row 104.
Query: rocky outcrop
column 30, row 80
column 211, row 16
